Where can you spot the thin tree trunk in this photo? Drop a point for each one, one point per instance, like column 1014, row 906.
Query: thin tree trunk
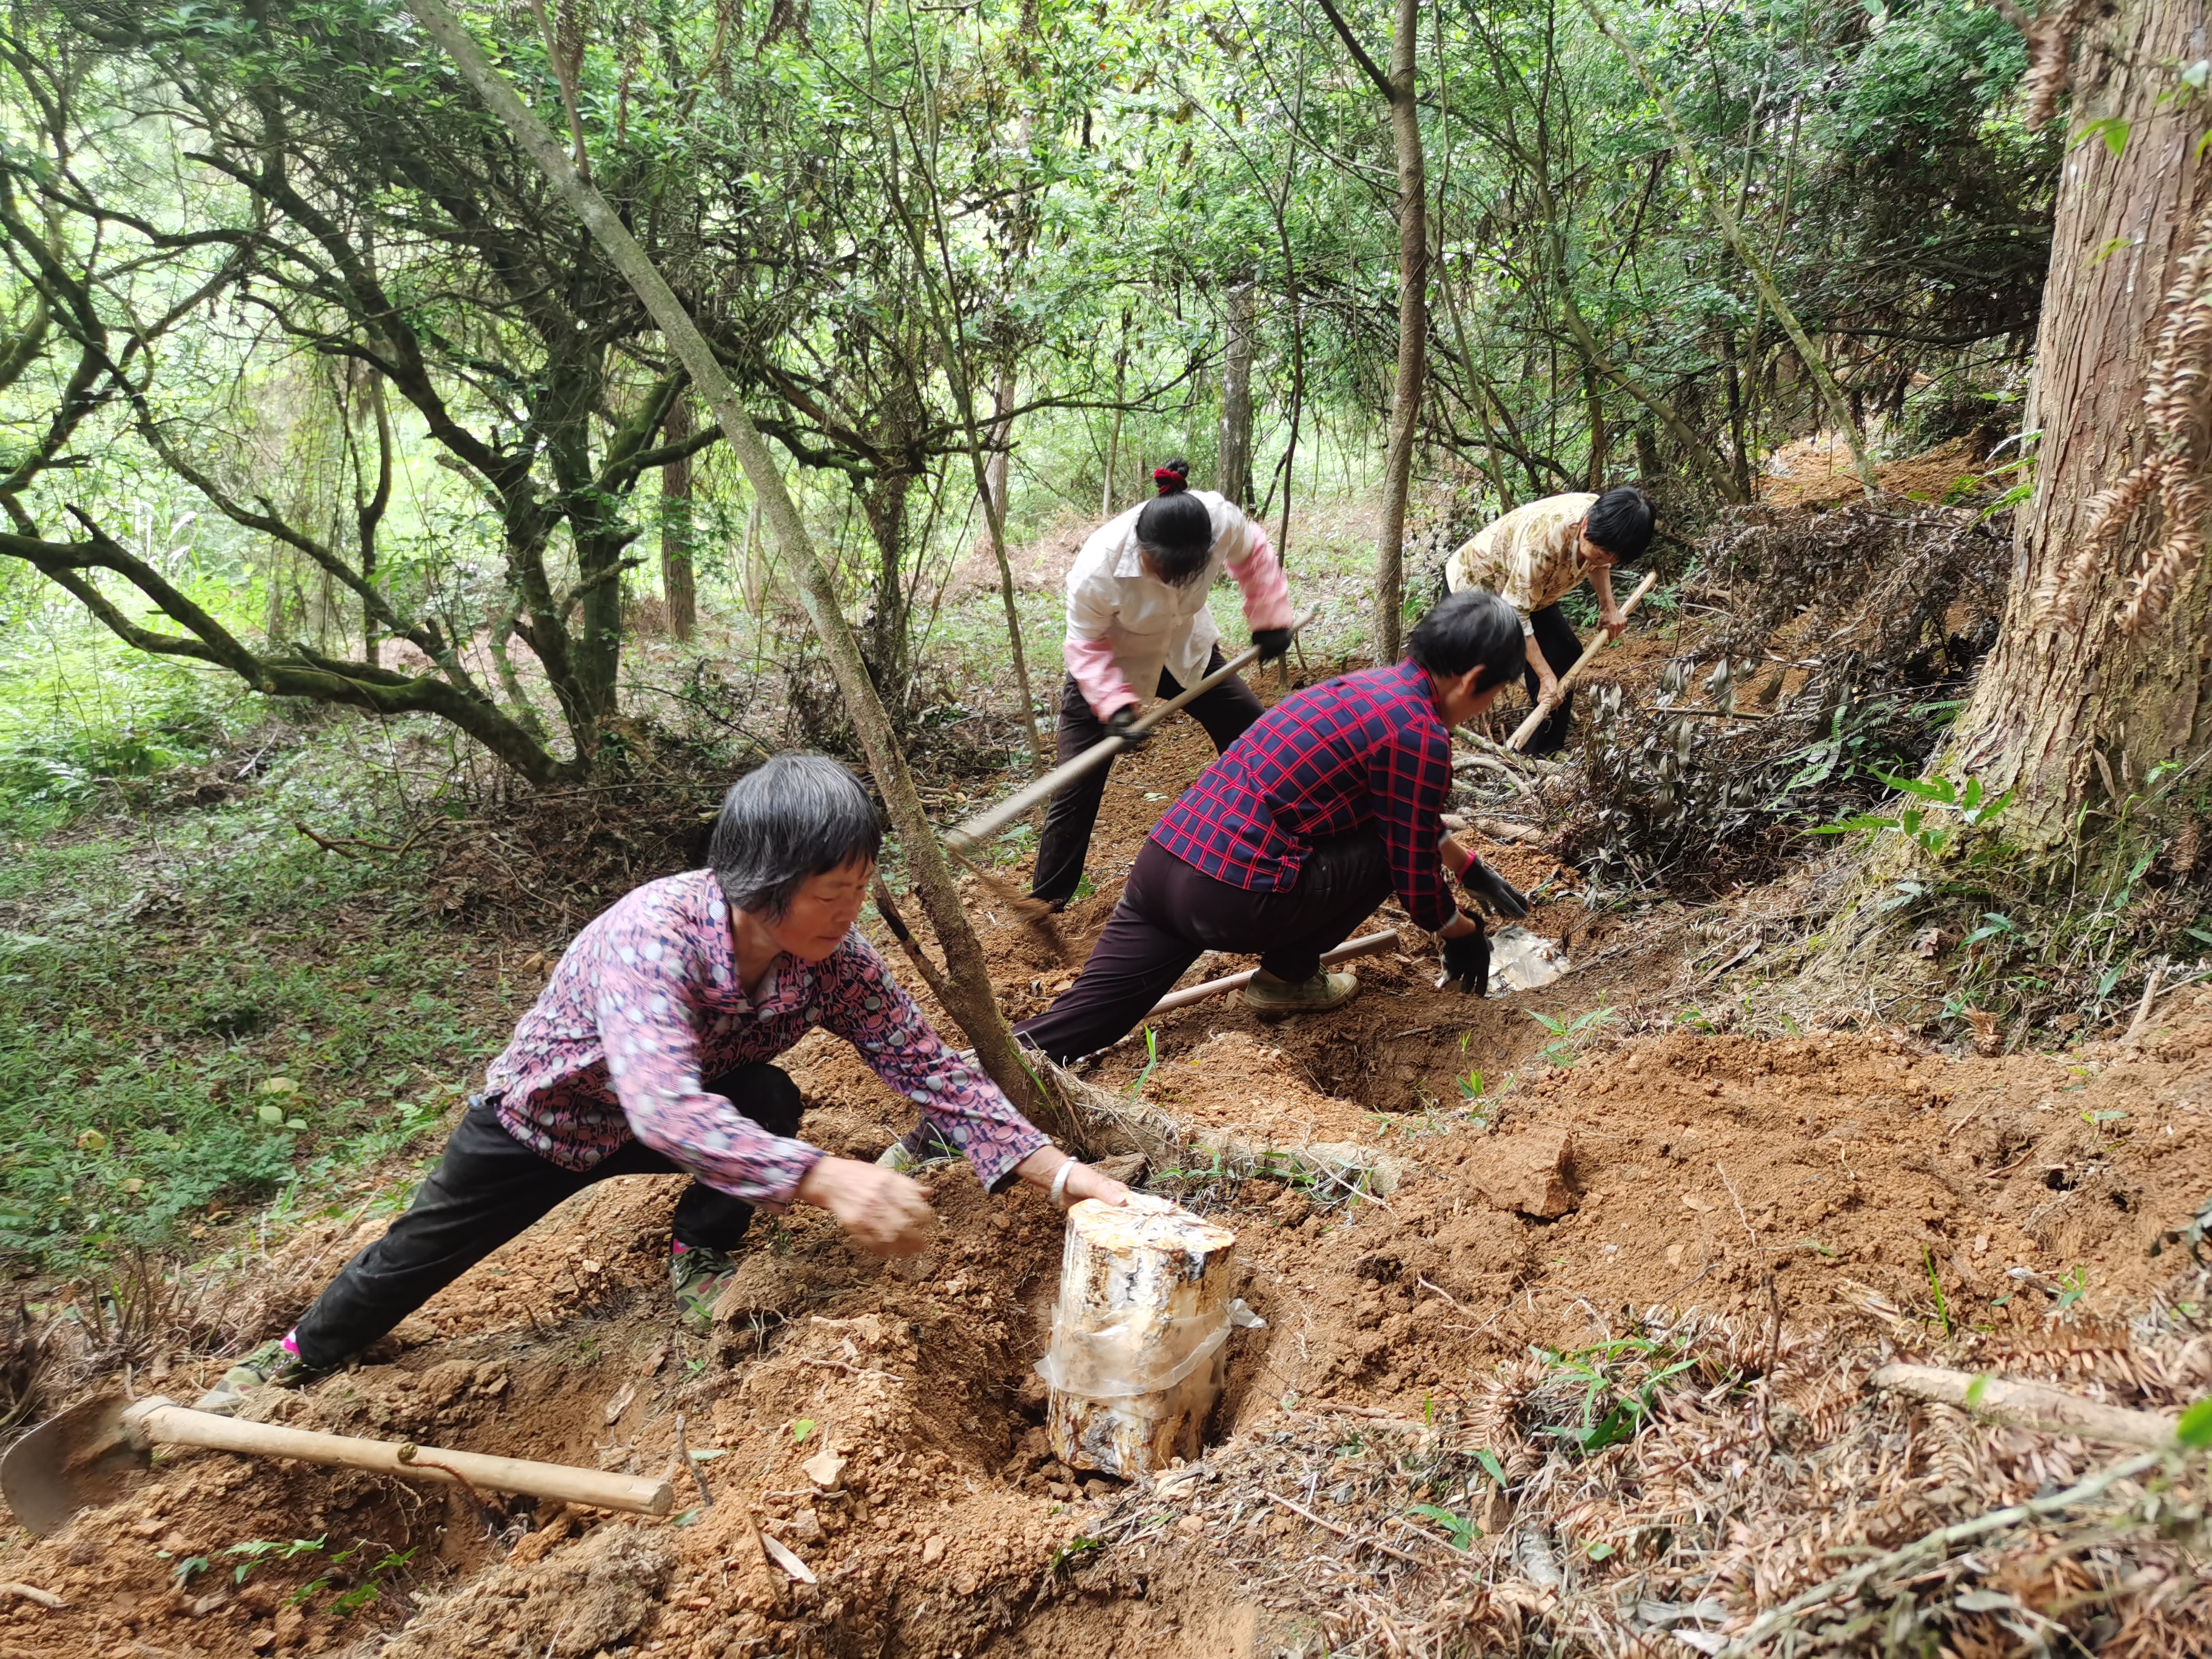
column 1397, row 89
column 1236, row 459
column 1002, row 436
column 2077, row 713
column 972, row 1003
column 1412, row 335
column 368, row 514
column 1113, row 437
column 678, row 582
column 755, row 561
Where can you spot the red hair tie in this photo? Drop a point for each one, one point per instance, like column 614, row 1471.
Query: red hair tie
column 1168, row 482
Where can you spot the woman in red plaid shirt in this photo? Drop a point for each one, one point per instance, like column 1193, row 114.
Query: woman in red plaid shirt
column 1306, row 824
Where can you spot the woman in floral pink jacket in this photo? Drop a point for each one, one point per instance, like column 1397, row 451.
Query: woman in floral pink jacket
column 648, row 1053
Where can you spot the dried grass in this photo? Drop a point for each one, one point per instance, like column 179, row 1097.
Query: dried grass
column 1838, row 629
column 1758, row 1470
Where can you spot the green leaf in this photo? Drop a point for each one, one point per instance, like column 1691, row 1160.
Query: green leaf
column 1490, row 1466
column 800, row 1429
column 272, row 1115
column 1939, row 790
column 1976, row 1389
column 2194, row 1429
column 2113, row 130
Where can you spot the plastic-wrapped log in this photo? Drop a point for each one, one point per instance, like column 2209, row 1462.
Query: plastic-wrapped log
column 1137, row 1338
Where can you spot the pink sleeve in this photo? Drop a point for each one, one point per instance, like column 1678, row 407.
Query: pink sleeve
column 1100, row 679
column 1266, row 595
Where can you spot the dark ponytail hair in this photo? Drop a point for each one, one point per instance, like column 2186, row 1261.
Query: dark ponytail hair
column 1175, row 529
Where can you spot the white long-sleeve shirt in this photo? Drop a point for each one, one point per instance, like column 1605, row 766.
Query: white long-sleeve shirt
column 1124, row 626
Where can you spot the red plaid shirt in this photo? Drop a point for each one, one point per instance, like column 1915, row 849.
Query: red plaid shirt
column 1365, row 750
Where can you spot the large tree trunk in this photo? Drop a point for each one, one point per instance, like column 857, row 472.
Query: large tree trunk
column 679, row 588
column 2076, row 714
column 1236, row 470
column 1412, row 335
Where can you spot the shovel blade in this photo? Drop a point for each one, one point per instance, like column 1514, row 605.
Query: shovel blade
column 76, row 1461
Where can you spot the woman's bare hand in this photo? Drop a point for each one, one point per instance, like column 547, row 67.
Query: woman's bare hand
column 885, row 1213
column 1083, row 1181
column 1041, row 1166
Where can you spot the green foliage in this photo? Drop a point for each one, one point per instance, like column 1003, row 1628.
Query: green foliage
column 1151, row 1059
column 1932, row 836
column 1936, row 1287
column 1460, row 1528
column 194, row 1019
column 1569, row 1035
column 2194, row 1429
column 259, row 1551
column 1618, row 1381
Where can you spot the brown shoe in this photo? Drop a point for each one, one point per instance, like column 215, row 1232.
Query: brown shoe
column 1276, row 1000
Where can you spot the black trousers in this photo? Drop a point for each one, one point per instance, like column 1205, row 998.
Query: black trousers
column 1171, row 912
column 1225, row 712
column 1557, row 639
column 489, row 1188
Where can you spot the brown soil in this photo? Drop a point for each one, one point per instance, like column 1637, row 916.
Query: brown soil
column 1817, row 473
column 1822, row 1189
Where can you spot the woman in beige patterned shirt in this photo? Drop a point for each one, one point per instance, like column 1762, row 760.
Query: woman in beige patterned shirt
column 1532, row 558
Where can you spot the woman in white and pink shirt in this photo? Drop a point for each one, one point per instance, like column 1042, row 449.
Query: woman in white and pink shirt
column 1137, row 622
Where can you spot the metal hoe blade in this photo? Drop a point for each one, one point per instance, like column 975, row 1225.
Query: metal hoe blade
column 78, row 1459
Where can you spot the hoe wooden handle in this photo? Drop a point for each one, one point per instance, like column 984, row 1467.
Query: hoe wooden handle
column 1528, row 727
column 977, row 830
column 162, row 1422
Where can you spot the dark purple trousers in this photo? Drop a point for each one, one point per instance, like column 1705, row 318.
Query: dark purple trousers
column 1169, row 913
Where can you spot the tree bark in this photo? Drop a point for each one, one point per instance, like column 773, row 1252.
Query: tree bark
column 1002, row 439
column 972, row 1005
column 2076, row 716
column 1236, row 458
column 679, row 589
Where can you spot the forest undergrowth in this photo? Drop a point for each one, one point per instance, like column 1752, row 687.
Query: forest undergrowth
column 1639, row 1424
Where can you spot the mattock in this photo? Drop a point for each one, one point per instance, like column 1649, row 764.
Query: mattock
column 86, row 1455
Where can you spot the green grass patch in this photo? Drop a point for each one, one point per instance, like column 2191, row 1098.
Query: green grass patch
column 201, row 1012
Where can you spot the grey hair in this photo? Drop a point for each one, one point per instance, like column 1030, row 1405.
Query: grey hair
column 794, row 817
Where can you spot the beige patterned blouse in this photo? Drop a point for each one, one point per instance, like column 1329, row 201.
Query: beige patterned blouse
column 1529, row 557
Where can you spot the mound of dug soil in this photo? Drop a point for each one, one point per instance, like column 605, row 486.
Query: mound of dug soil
column 1712, row 1211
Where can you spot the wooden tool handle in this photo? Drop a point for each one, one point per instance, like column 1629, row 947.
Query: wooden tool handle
column 1373, row 945
column 1528, row 727
column 985, row 824
column 163, row 1422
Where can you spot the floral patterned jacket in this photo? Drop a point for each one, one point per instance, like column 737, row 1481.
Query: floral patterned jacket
column 645, row 1008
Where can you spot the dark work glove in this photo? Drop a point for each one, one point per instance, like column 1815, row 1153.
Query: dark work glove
column 1119, row 722
column 1466, row 959
column 1494, row 890
column 1273, row 642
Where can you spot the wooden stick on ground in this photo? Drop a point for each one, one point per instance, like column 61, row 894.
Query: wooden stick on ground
column 1528, row 727
column 2027, row 1405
